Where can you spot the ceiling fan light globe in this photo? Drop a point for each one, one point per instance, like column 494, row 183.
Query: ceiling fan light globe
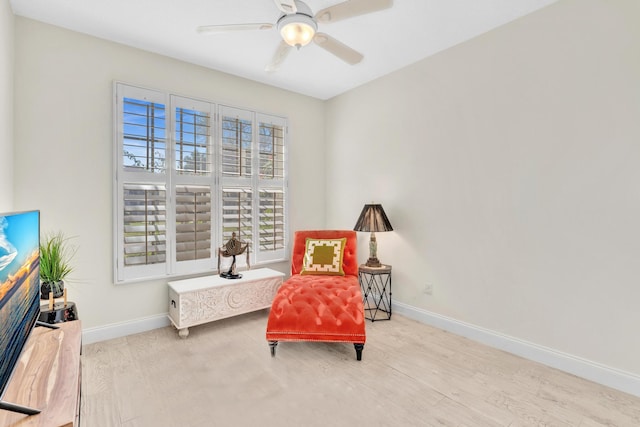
column 297, row 34
column 297, row 30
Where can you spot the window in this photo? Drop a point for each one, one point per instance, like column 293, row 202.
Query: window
column 188, row 174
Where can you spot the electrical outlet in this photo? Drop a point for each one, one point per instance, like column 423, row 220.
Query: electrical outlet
column 428, row 289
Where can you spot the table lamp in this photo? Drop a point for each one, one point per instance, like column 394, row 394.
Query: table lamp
column 372, row 218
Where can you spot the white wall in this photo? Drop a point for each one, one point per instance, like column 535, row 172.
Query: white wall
column 63, row 132
column 508, row 166
column 6, row 106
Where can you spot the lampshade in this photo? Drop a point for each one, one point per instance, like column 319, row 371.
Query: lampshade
column 373, row 218
column 297, row 29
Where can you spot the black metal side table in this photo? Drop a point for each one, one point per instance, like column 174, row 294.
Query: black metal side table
column 375, row 283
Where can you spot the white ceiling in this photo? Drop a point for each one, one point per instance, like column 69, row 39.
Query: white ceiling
column 389, row 40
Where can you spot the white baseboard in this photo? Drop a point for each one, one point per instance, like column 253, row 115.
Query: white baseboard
column 117, row 330
column 610, row 377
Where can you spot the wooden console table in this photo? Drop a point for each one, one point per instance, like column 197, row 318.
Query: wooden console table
column 47, row 378
column 205, row 299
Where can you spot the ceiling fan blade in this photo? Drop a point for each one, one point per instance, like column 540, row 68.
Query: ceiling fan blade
column 337, row 48
column 279, row 56
column 286, row 6
column 351, row 8
column 217, row 29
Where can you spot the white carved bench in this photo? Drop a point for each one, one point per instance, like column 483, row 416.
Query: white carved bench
column 205, row 299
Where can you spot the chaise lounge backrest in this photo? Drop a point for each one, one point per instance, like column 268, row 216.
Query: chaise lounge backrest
column 350, row 257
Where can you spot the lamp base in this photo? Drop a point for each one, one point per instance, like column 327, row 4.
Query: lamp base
column 373, row 262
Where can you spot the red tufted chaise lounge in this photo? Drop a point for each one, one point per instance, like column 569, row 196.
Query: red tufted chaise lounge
column 319, row 306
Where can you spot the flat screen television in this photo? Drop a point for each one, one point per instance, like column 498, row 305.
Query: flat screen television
column 19, row 292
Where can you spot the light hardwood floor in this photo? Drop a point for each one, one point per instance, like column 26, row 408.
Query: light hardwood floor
column 410, row 375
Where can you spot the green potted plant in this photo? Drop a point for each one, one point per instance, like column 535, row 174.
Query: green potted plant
column 55, row 255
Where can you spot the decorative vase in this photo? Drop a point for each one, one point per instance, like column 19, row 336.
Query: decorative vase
column 57, row 289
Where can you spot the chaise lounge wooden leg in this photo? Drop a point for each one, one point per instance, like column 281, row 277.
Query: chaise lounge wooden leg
column 359, row 348
column 272, row 346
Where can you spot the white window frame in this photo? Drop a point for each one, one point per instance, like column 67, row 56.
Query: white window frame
column 171, row 179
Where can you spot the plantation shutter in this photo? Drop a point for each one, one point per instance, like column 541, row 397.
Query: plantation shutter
column 144, row 140
column 271, row 188
column 141, row 192
column 193, row 223
column 237, row 142
column 272, row 231
column 237, row 216
column 271, row 149
column 192, row 141
column 237, row 166
column 193, row 184
column 145, row 224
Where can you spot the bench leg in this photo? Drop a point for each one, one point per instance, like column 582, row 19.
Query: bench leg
column 272, row 346
column 359, row 348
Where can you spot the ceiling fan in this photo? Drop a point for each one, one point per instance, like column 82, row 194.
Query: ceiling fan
column 299, row 27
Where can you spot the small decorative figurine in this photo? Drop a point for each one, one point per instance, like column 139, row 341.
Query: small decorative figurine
column 232, row 248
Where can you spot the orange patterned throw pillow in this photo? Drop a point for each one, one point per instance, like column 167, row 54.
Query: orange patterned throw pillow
column 324, row 256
